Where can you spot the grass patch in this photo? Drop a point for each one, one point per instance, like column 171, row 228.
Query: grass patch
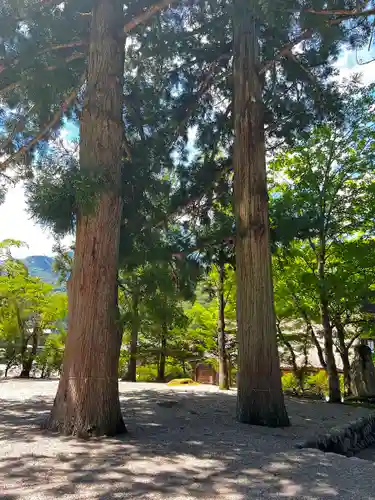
column 182, row 381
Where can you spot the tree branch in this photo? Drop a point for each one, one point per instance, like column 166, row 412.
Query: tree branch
column 147, row 14
column 18, row 127
column 73, row 57
column 286, row 49
column 141, row 18
column 44, row 132
column 352, row 340
column 53, row 48
column 204, row 87
column 343, row 15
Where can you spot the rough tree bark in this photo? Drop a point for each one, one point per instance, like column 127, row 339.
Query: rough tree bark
column 131, row 373
column 260, row 398
column 221, row 338
column 87, row 399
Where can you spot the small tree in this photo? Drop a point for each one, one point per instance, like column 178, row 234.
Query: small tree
column 28, row 308
column 323, row 202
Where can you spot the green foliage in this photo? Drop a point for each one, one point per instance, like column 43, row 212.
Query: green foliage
column 60, row 190
column 123, row 363
column 203, row 314
column 322, row 215
column 318, row 383
column 290, row 382
column 149, row 373
column 50, row 358
column 28, row 308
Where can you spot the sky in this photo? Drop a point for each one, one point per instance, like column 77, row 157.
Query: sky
column 16, row 223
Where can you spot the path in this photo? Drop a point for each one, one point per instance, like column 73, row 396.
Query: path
column 194, row 450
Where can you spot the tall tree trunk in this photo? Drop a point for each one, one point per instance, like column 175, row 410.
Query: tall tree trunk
column 333, row 376
column 223, row 357
column 131, row 374
column 27, row 362
column 344, row 353
column 163, row 354
column 260, row 398
column 87, row 400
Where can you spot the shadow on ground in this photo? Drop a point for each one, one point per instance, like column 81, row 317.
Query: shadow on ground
column 192, row 449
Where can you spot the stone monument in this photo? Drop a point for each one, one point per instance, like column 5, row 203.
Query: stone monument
column 363, row 372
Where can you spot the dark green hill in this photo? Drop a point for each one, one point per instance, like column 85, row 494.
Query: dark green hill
column 41, row 267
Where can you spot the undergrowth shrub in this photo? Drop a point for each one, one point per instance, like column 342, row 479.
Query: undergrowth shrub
column 149, row 373
column 318, row 383
column 289, row 382
column 123, row 363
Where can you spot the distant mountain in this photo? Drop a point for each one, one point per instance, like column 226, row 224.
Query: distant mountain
column 40, row 266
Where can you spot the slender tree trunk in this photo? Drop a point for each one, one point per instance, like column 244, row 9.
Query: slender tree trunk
column 317, row 345
column 333, row 376
column 28, row 361
column 163, row 352
column 131, row 374
column 223, row 357
column 260, row 398
column 87, row 400
column 344, row 353
column 230, row 370
column 25, row 372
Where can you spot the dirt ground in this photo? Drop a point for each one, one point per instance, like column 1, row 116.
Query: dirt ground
column 193, row 449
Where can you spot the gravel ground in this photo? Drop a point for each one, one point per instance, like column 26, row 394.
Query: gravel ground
column 192, row 450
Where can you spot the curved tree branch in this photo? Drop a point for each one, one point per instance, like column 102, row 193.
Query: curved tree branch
column 147, row 14
column 43, row 133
